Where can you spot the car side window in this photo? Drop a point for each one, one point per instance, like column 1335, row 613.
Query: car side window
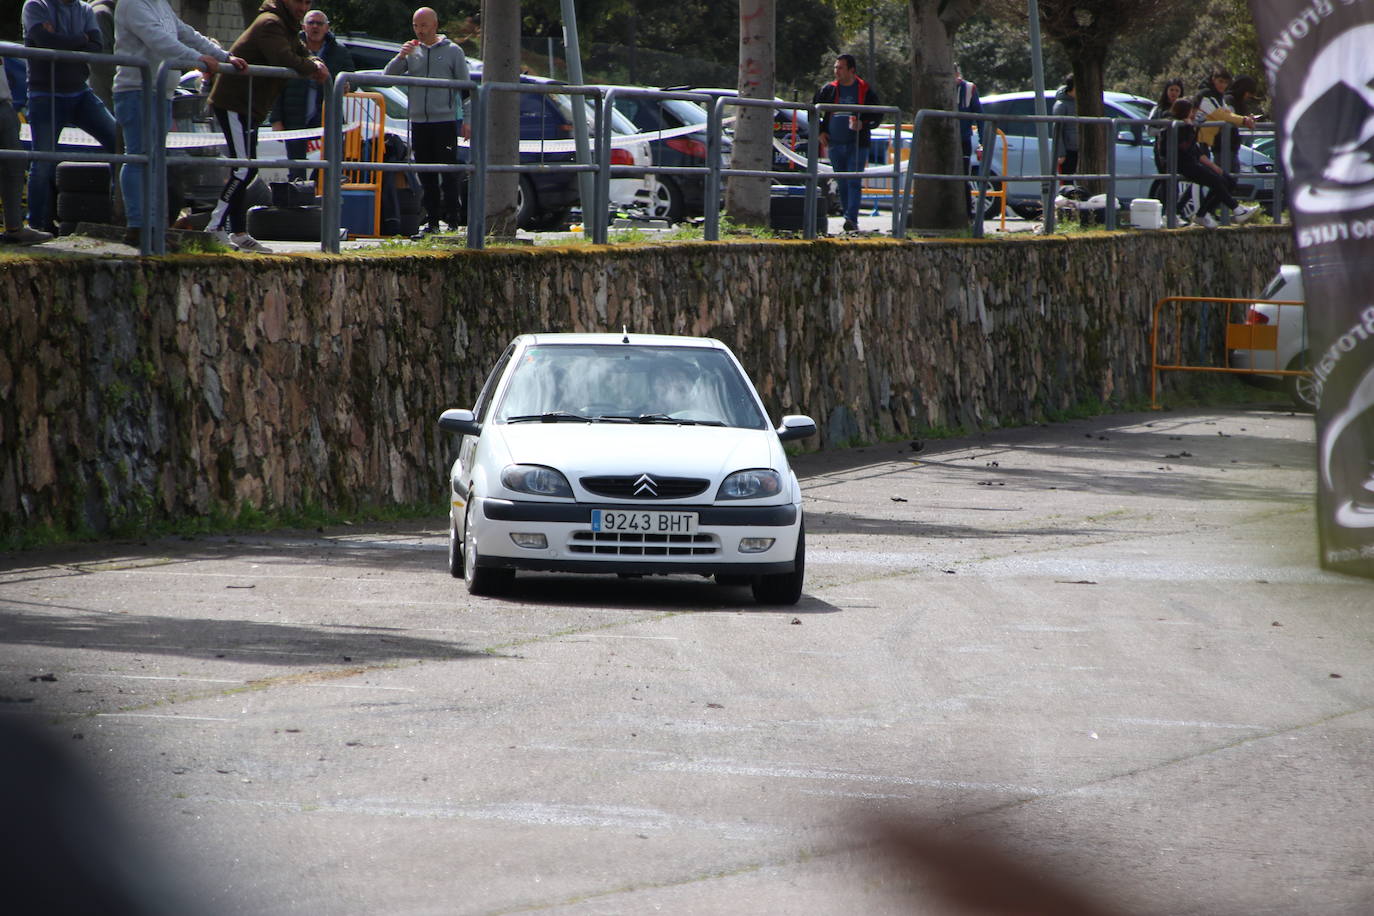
column 483, row 406
column 1014, row 107
column 1125, row 133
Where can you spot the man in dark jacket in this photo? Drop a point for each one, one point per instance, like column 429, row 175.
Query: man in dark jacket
column 58, row 93
column 240, row 104
column 301, row 103
column 846, row 134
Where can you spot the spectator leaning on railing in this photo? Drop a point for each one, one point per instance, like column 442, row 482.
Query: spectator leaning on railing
column 12, row 176
column 58, row 92
column 301, row 103
column 240, row 105
column 150, row 30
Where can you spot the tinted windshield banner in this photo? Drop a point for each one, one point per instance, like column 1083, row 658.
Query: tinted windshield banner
column 1320, row 70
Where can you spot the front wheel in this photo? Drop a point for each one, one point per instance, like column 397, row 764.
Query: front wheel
column 667, row 201
column 784, row 588
column 1302, row 389
column 455, row 550
column 480, row 580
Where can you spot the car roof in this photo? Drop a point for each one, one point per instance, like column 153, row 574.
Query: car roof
column 1049, row 94
column 643, row 340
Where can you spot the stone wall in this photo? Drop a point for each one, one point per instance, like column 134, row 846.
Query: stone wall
column 180, row 386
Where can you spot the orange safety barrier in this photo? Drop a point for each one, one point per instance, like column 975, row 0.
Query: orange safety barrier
column 1240, row 335
column 364, row 141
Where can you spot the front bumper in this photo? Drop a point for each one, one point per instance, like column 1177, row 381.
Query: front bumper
column 572, row 546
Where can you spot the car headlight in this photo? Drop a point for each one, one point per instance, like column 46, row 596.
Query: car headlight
column 752, row 484
column 535, row 480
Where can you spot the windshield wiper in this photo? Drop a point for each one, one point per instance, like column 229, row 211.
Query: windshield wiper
column 661, row 418
column 555, row 417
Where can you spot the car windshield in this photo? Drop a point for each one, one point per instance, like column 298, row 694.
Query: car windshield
column 619, row 123
column 629, row 383
column 1134, row 108
column 685, row 111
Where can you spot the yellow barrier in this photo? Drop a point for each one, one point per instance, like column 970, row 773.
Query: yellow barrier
column 1240, row 335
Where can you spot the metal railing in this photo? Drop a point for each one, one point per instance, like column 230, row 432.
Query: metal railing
column 595, row 212
column 988, row 124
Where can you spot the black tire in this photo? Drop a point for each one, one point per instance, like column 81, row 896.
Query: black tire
column 481, row 580
column 549, row 222
column 526, row 204
column 992, row 206
column 668, row 202
column 1027, row 209
column 66, row 228
column 1301, row 389
column 90, row 207
column 257, row 194
column 784, row 588
column 455, row 550
column 285, row 224
column 83, row 177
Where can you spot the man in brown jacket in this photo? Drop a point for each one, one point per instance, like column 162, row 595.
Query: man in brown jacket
column 240, row 104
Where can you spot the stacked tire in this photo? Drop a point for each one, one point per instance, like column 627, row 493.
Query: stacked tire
column 83, row 195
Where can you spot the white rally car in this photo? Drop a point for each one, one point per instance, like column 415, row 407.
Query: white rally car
column 624, row 453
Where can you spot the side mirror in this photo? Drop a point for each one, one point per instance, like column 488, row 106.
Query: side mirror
column 796, row 427
column 461, row 422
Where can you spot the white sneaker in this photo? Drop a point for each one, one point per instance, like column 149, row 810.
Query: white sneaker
column 245, row 242
column 1208, row 220
column 1242, row 213
column 224, row 238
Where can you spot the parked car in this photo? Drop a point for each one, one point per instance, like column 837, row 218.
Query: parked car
column 624, row 453
column 1291, row 351
column 1134, row 151
column 791, row 126
column 674, row 196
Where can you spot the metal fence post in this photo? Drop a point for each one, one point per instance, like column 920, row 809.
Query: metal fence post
column 331, row 202
column 477, row 146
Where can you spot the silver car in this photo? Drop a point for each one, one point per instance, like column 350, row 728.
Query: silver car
column 1289, row 336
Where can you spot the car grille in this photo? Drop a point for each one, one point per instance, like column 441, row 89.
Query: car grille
column 645, row 486
column 626, row 544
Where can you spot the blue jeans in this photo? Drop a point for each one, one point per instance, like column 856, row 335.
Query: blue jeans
column 48, row 114
column 129, row 111
column 849, row 157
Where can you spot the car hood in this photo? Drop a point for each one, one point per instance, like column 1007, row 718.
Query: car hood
column 581, row 449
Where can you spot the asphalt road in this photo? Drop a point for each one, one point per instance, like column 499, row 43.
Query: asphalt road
column 1100, row 649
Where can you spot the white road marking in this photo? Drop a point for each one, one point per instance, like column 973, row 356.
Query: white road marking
column 1175, row 723
column 148, row 715
column 154, row 677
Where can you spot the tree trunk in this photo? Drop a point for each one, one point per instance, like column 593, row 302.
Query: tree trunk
column 937, row 204
column 746, row 198
column 501, row 64
column 1088, row 66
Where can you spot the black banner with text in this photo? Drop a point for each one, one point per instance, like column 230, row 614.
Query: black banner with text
column 1318, row 57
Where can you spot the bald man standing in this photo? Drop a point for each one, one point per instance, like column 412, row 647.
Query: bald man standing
column 435, row 114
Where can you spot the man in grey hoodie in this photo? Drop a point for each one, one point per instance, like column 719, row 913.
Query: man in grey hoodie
column 1066, row 132
column 150, row 30
column 435, row 114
